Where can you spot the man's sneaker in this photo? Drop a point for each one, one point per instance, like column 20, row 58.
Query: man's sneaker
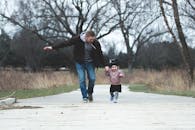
column 90, row 97
column 85, row 100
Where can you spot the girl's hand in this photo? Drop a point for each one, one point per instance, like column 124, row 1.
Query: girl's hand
column 121, row 75
column 47, row 48
column 106, row 68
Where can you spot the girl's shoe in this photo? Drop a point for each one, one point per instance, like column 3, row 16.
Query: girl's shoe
column 114, row 100
column 111, row 98
column 115, row 97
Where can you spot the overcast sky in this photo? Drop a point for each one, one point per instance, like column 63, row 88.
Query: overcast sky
column 113, row 38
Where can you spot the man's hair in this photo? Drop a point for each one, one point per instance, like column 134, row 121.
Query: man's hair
column 90, row 33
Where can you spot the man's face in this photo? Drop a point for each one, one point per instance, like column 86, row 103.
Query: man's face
column 90, row 39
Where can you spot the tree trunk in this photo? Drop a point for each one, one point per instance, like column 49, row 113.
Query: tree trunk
column 129, row 54
column 188, row 59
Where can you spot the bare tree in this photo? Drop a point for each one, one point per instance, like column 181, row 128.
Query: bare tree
column 182, row 40
column 188, row 12
column 28, row 47
column 61, row 19
column 135, row 19
column 186, row 52
column 4, row 46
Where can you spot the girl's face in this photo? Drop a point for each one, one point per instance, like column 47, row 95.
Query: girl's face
column 114, row 67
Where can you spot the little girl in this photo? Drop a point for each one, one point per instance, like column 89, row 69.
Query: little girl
column 115, row 75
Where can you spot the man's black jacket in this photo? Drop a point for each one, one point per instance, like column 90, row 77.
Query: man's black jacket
column 79, row 50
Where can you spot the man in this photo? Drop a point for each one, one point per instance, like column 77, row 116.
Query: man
column 87, row 55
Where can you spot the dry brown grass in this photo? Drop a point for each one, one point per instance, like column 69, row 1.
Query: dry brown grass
column 23, row 80
column 11, row 79
column 161, row 80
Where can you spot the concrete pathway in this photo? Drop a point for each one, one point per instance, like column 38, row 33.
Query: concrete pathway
column 134, row 111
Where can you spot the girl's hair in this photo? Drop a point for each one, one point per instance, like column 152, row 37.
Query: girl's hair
column 113, row 62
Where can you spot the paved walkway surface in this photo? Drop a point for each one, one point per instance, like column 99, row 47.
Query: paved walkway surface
column 134, row 111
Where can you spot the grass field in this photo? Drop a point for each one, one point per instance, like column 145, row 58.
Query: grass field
column 28, row 85
column 147, row 89
column 29, row 93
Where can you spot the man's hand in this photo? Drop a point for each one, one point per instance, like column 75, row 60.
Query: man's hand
column 47, row 48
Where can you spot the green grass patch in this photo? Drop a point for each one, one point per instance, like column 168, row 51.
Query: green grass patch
column 139, row 88
column 147, row 89
column 187, row 93
column 29, row 93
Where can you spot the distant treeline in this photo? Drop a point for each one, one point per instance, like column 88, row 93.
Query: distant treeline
column 160, row 55
column 25, row 50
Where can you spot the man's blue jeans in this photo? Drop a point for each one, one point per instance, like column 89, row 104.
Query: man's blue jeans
column 82, row 68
